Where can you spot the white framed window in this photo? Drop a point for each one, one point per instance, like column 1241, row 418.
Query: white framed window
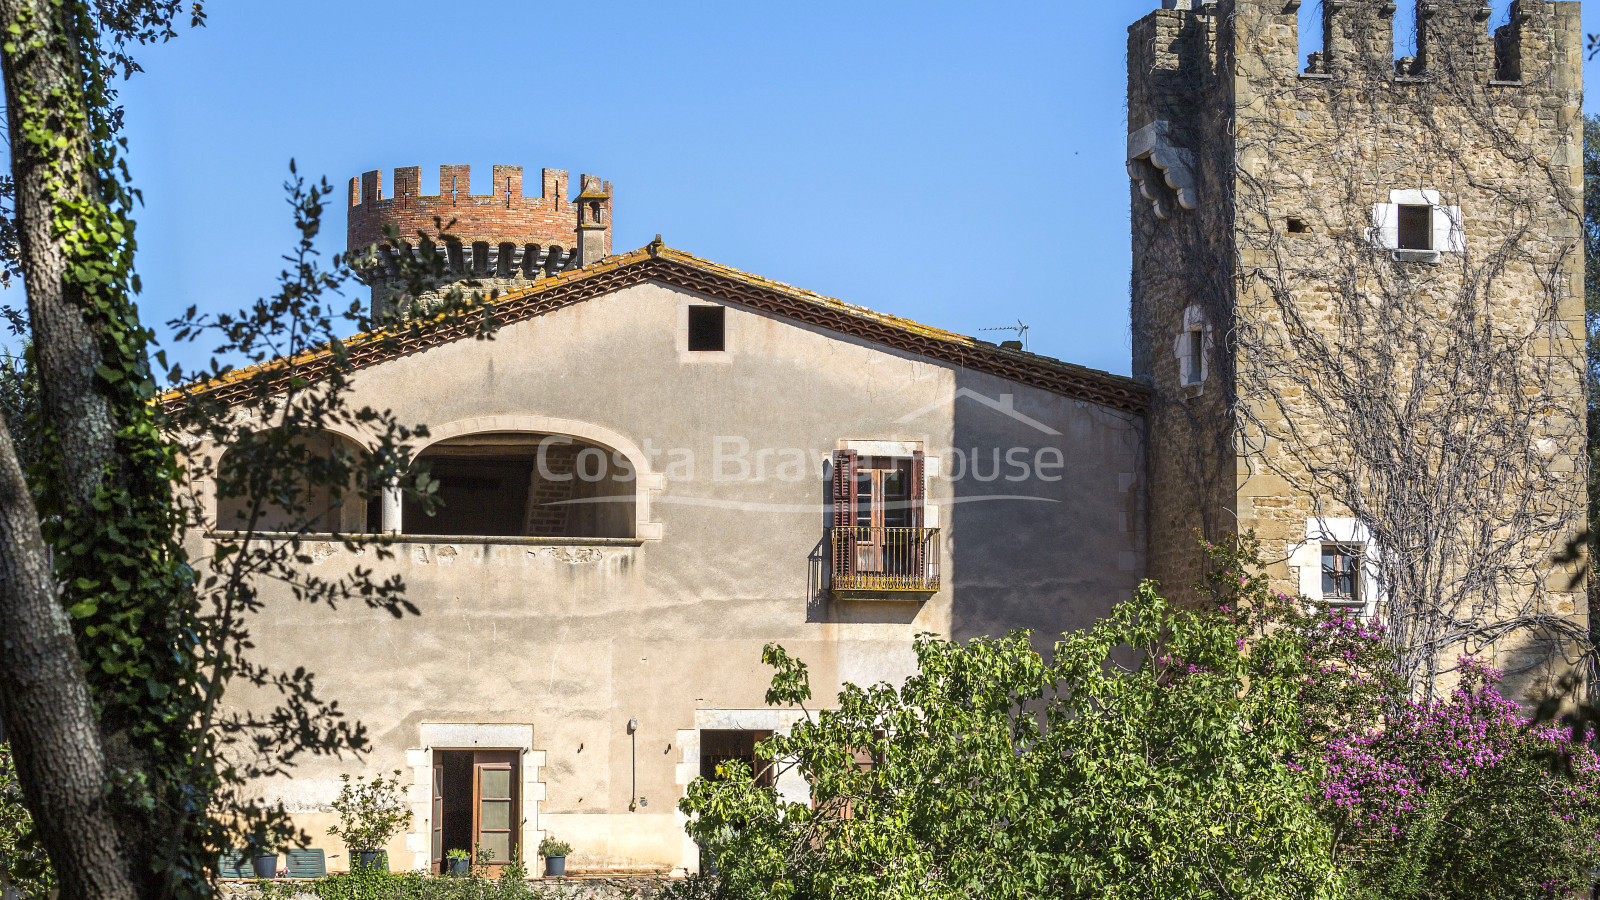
column 1191, row 346
column 1338, row 564
column 1417, row 225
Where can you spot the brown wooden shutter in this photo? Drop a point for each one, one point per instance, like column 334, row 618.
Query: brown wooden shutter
column 438, row 818
column 844, row 511
column 918, row 490
column 919, row 541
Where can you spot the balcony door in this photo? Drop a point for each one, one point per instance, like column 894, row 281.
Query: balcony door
column 878, row 539
column 882, row 512
column 475, row 805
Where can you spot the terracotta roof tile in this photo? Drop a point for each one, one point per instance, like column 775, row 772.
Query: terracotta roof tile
column 658, row 262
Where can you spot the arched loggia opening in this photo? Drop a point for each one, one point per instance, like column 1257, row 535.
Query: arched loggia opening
column 295, row 487
column 516, row 484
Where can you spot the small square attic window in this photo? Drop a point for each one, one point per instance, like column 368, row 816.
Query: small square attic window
column 706, row 328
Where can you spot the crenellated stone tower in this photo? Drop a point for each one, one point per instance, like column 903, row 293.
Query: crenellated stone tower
column 1357, row 296
column 503, row 239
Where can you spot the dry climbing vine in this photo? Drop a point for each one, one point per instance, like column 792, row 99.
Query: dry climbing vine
column 1440, row 404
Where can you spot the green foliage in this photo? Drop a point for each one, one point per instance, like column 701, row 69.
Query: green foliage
column 457, row 853
column 695, row 887
column 1454, row 798
column 510, row 883
column 1347, row 675
column 371, row 811
column 552, row 846
column 22, row 861
column 19, row 406
column 161, row 638
column 114, row 533
column 1151, row 756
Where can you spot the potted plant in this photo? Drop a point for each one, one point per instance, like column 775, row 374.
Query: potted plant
column 265, row 864
column 460, row 861
column 555, row 855
column 371, row 812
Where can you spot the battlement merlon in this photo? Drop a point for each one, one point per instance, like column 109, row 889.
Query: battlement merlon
column 1171, row 56
column 1189, row 37
column 455, row 184
column 511, row 212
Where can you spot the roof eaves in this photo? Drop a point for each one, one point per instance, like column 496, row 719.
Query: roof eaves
column 658, row 262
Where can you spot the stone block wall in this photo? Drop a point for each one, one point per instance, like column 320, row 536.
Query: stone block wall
column 1290, row 170
column 1178, row 97
column 579, row 887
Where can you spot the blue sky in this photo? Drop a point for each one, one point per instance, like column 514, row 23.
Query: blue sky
column 960, row 164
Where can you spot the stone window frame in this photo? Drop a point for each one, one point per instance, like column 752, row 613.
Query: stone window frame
column 790, row 784
column 1449, row 234
column 462, row 736
column 1344, row 531
column 647, row 482
column 1183, row 345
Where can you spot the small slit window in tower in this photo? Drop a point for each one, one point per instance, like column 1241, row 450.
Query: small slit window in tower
column 1416, row 228
column 1298, row 226
column 707, row 328
column 1192, row 348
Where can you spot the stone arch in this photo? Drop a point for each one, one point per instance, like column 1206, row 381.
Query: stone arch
column 324, row 515
column 646, row 481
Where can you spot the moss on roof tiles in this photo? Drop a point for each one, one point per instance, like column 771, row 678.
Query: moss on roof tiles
column 660, row 252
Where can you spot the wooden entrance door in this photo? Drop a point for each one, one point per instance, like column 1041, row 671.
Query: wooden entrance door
column 476, row 805
column 494, row 813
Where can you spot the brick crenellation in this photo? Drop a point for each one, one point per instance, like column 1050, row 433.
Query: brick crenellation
column 504, row 215
column 503, row 240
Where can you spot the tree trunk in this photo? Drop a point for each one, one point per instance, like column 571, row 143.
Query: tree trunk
column 45, row 88
column 44, row 700
column 62, row 224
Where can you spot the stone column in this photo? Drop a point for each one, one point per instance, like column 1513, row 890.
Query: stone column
column 391, row 510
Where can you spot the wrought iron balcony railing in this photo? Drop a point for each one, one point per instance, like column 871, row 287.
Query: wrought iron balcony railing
column 884, row 559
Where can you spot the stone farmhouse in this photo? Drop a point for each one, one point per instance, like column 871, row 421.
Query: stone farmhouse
column 661, row 463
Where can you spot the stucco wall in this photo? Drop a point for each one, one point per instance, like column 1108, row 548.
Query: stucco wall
column 576, row 638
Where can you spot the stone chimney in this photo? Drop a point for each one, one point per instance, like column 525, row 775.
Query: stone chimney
column 594, row 220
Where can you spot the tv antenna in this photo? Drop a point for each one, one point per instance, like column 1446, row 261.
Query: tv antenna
column 1019, row 329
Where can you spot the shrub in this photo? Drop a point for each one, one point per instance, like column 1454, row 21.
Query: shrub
column 371, row 812
column 22, row 861
column 551, row 846
column 372, row 884
column 1457, row 799
column 1146, row 757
